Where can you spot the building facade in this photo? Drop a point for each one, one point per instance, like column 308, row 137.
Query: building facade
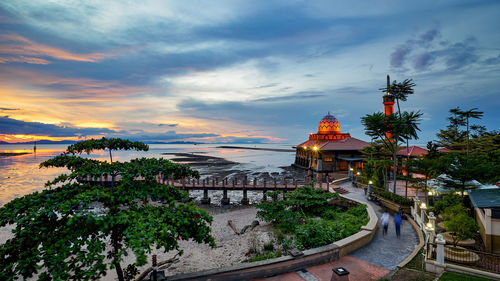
column 330, row 150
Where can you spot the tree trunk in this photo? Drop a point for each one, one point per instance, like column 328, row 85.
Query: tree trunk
column 467, row 136
column 119, row 271
column 407, row 170
column 395, row 165
column 110, row 156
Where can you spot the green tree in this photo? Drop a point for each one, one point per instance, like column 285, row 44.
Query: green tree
column 76, row 230
column 467, row 114
column 459, row 223
column 461, row 170
column 378, row 124
column 400, row 90
column 427, row 167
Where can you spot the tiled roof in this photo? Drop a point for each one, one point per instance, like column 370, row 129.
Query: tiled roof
column 412, row 151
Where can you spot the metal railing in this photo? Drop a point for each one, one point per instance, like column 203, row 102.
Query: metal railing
column 472, row 258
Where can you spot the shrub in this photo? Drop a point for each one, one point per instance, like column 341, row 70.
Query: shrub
column 315, row 233
column 448, row 200
column 269, row 246
column 393, row 197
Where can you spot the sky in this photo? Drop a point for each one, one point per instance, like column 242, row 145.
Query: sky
column 239, row 71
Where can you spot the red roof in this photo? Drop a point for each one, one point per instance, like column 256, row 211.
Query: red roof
column 345, row 144
column 412, row 151
column 444, row 149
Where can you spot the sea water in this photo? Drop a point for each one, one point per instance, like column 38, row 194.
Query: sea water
column 21, row 175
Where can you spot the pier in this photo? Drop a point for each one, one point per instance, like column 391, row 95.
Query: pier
column 232, row 184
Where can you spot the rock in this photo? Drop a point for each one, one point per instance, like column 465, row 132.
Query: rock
column 254, row 224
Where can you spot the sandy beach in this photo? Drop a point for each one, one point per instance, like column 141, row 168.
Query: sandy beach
column 231, row 248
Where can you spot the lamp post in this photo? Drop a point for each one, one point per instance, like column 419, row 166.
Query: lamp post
column 350, row 172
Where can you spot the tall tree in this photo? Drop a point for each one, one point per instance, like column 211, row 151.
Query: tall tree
column 76, row 230
column 467, row 114
column 400, row 90
column 378, row 124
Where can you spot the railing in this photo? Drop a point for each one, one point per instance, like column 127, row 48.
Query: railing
column 472, row 258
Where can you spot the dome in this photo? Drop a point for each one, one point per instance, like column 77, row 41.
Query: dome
column 329, row 125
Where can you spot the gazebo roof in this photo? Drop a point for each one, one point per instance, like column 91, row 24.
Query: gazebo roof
column 485, row 198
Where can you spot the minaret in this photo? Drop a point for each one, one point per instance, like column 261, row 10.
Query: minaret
column 388, row 103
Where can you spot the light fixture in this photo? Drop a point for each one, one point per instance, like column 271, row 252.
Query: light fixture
column 351, row 169
column 429, row 227
column 423, row 206
column 429, row 193
column 315, row 148
column 370, row 182
column 358, row 173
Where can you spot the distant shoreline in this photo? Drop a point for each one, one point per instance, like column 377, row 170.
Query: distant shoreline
column 9, row 154
column 257, row 148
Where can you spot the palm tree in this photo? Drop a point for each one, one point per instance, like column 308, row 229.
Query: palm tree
column 400, row 91
column 378, row 124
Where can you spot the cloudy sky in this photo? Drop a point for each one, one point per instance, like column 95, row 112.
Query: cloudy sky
column 238, row 71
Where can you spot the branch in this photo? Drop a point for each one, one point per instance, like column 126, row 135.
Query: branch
column 145, row 273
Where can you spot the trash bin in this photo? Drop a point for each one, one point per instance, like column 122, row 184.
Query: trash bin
column 340, row 274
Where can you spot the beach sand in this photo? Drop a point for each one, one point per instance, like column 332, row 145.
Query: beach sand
column 231, row 248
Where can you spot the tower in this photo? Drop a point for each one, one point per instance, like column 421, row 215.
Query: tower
column 388, row 103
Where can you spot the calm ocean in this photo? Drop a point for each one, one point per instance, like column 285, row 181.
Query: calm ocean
column 20, row 175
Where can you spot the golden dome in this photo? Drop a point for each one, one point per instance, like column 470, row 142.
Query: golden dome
column 329, row 125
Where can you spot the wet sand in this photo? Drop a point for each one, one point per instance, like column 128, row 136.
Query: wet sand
column 10, row 154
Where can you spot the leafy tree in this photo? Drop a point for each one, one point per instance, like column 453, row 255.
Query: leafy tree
column 467, row 114
column 427, row 167
column 448, row 200
column 461, row 170
column 76, row 230
column 406, row 125
column 457, row 221
column 400, row 90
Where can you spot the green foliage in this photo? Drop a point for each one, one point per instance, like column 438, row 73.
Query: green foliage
column 269, row 246
column 448, row 200
column 106, row 144
column 302, row 202
column 315, row 233
column 393, row 197
column 265, row 256
column 62, row 229
column 457, row 221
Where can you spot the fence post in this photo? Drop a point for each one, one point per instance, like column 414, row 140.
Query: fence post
column 440, row 249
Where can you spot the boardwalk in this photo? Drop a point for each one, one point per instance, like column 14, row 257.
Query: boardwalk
column 225, row 185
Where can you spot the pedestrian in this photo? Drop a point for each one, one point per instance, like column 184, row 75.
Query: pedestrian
column 385, row 222
column 397, row 223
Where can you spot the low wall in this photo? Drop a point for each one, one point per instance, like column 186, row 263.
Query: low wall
column 276, row 266
column 421, row 243
column 392, row 205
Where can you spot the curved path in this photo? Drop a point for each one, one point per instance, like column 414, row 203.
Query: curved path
column 371, row 262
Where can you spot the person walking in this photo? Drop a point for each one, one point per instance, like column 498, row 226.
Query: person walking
column 385, row 222
column 397, row 223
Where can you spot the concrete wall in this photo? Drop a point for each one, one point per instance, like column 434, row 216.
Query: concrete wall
column 271, row 267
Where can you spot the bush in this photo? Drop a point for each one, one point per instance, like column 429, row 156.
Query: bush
column 315, row 233
column 448, row 200
column 393, row 197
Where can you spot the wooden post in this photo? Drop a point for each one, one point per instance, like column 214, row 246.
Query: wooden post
column 233, row 181
column 194, row 183
column 205, row 199
column 275, row 183
column 203, row 182
column 225, row 199
column 245, row 180
column 245, row 200
column 295, row 183
column 265, row 182
column 224, row 182
column 264, row 195
column 198, row 181
column 254, row 182
column 213, row 182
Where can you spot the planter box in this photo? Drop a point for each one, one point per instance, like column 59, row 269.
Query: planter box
column 393, row 206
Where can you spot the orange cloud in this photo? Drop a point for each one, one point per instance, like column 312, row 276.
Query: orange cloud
column 14, row 44
column 24, row 60
column 25, row 138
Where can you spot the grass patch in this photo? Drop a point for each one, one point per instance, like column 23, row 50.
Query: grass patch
column 452, row 276
column 417, row 263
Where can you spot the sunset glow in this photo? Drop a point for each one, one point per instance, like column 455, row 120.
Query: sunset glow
column 223, row 73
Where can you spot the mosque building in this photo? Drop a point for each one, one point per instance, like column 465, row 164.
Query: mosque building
column 330, row 150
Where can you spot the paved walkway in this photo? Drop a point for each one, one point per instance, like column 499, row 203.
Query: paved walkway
column 371, row 262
